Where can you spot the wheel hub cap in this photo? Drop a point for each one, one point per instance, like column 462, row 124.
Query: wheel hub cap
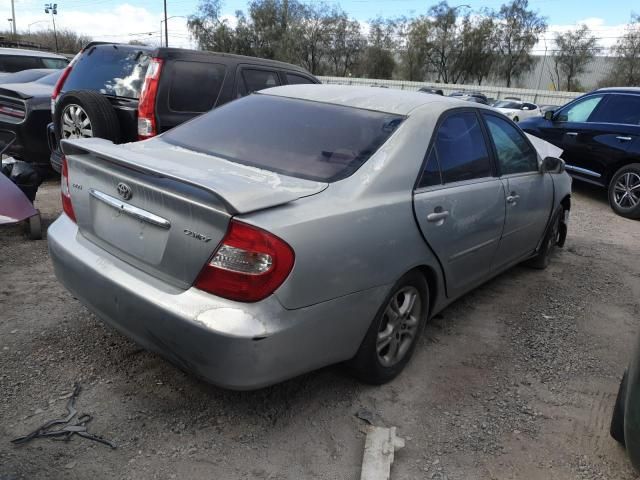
column 399, row 326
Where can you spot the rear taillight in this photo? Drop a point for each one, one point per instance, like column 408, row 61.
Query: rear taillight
column 147, row 105
column 65, row 193
column 60, row 83
column 249, row 265
column 11, row 111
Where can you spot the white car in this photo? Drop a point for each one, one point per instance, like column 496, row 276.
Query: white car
column 516, row 110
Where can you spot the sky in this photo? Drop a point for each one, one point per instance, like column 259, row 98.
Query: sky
column 121, row 20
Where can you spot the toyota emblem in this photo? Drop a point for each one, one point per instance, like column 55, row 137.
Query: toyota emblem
column 124, row 191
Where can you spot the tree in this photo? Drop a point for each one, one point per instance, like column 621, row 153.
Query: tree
column 209, row 29
column 626, row 68
column 311, row 35
column 68, row 40
column 574, row 50
column 378, row 59
column 518, row 31
column 444, row 47
column 346, row 45
column 478, row 52
column 413, row 35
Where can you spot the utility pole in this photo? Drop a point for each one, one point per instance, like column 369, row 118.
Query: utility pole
column 166, row 26
column 53, row 8
column 13, row 19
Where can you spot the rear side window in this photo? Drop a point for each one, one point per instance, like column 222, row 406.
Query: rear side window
column 619, row 109
column 255, row 80
column 293, row 79
column 54, row 63
column 110, row 70
column 431, row 173
column 16, row 63
column 300, row 138
column 515, row 154
column 195, row 86
column 460, row 148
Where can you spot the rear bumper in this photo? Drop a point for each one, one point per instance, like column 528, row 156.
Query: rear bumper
column 231, row 344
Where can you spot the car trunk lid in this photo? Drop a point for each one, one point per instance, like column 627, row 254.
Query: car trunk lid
column 163, row 209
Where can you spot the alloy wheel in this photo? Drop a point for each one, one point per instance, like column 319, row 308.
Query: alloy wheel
column 626, row 192
column 399, row 326
column 75, row 122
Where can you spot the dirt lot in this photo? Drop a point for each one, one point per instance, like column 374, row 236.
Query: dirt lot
column 516, row 380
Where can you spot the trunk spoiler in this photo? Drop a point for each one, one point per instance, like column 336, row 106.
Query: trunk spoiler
column 240, row 188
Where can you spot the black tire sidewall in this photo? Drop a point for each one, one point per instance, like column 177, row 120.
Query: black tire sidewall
column 103, row 118
column 633, row 213
column 366, row 365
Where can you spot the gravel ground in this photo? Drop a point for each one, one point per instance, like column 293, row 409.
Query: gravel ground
column 515, row 380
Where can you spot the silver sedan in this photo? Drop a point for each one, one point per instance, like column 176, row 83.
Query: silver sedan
column 302, row 226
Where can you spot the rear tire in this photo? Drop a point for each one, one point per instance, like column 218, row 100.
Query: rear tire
column 399, row 322
column 624, row 191
column 34, row 226
column 617, row 419
column 86, row 114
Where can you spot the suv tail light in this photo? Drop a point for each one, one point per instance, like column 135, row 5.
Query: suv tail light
column 147, row 126
column 67, row 207
column 248, row 265
column 60, row 83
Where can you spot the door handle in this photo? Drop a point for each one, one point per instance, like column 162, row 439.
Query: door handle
column 571, row 134
column 513, row 197
column 624, row 139
column 437, row 216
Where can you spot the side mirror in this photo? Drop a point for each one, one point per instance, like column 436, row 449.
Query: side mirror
column 552, row 165
column 548, row 115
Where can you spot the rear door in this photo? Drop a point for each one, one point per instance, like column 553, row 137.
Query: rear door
column 188, row 88
column 529, row 194
column 459, row 203
column 613, row 129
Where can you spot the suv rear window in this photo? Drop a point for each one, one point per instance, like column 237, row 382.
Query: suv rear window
column 300, row 138
column 195, row 86
column 111, row 70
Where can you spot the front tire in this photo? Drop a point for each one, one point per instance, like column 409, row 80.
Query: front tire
column 624, row 191
column 394, row 332
column 555, row 236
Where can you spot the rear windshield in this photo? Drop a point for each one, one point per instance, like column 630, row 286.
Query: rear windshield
column 111, row 70
column 300, row 138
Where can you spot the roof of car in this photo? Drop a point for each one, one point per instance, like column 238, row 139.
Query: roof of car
column 29, row 53
column 619, row 89
column 165, row 52
column 400, row 102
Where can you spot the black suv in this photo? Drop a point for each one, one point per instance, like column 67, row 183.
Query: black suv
column 600, row 135
column 126, row 93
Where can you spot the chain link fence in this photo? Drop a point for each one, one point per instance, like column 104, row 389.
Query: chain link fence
column 540, row 97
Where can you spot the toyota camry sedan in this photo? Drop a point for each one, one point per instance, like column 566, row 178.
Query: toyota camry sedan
column 302, row 226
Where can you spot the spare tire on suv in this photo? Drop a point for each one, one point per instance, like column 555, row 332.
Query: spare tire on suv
column 85, row 114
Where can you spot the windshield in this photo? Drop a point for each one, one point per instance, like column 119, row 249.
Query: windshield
column 300, row 138
column 508, row 104
column 111, row 70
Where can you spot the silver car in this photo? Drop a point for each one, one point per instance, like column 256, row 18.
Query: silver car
column 302, row 226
